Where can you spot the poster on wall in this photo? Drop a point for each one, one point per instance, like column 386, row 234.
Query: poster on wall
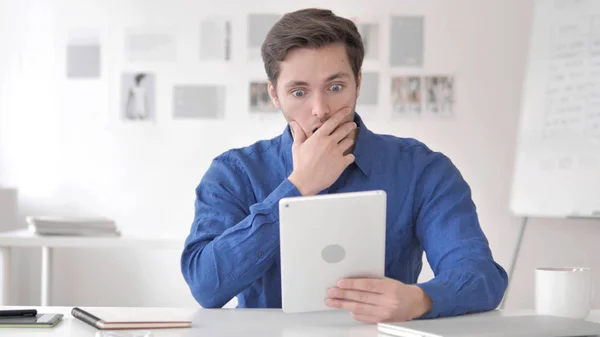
column 406, row 41
column 369, row 89
column 138, row 96
column 150, row 44
column 260, row 101
column 83, row 54
column 258, row 27
column 439, row 95
column 215, row 39
column 198, row 101
column 370, row 36
column 406, row 95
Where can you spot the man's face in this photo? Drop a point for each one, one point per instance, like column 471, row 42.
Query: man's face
column 315, row 84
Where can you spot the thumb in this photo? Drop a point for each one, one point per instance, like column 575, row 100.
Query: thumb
column 299, row 135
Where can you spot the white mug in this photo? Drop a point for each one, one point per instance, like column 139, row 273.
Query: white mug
column 565, row 292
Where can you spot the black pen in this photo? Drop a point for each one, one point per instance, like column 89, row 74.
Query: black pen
column 18, row 313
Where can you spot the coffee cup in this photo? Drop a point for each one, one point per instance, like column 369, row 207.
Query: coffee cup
column 564, row 292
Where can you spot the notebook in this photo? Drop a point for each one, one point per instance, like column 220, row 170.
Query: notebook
column 37, row 321
column 148, row 322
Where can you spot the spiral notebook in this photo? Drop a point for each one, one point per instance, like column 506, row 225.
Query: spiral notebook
column 140, row 320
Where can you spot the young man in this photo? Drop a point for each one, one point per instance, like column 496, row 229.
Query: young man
column 313, row 62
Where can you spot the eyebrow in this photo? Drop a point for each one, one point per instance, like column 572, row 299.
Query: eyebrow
column 336, row 76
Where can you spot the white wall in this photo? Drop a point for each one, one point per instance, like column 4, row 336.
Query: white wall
column 62, row 143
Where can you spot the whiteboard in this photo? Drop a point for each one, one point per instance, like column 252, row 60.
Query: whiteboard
column 557, row 166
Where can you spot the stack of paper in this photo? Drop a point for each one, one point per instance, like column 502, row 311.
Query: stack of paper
column 45, row 225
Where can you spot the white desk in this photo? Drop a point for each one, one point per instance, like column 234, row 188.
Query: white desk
column 226, row 323
column 25, row 238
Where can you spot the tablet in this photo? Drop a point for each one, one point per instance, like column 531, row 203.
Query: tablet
column 325, row 238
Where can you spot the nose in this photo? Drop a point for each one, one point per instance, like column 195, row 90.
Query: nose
column 320, row 106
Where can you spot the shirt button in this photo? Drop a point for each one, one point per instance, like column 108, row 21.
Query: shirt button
column 260, row 254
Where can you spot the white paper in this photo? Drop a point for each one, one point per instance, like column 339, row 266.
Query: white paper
column 83, row 54
column 258, row 27
column 150, row 45
column 558, row 149
column 369, row 89
column 198, row 101
column 406, row 41
column 215, row 39
column 370, row 37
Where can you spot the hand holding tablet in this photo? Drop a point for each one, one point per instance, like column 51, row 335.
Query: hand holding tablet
column 327, row 238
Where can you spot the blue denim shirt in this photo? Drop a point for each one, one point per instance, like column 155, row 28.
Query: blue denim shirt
column 233, row 246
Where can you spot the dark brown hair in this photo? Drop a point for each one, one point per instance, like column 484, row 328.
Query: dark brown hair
column 310, row 28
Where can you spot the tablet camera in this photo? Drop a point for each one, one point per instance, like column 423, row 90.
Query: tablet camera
column 333, row 253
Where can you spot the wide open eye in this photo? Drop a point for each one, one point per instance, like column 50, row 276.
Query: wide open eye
column 298, row 93
column 336, row 87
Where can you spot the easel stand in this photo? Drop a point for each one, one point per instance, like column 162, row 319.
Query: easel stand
column 513, row 261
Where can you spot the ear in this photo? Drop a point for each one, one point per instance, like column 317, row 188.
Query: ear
column 358, row 82
column 273, row 95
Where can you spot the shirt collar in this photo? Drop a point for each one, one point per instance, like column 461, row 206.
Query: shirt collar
column 363, row 150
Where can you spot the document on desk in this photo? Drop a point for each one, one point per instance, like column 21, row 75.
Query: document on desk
column 79, row 226
column 491, row 325
column 103, row 320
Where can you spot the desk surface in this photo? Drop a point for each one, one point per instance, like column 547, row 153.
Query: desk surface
column 25, row 238
column 223, row 323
